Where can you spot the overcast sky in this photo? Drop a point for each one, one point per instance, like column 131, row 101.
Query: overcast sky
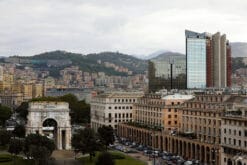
column 138, row 27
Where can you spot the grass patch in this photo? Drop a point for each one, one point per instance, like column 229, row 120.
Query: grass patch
column 13, row 160
column 119, row 158
column 3, row 148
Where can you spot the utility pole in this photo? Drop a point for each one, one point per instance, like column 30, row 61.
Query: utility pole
column 171, row 61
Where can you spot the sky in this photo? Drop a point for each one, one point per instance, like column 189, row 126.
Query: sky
column 135, row 27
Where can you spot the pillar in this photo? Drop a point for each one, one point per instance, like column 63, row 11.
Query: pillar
column 59, row 139
column 68, row 139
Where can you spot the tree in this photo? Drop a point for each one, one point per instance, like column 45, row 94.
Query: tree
column 15, row 146
column 22, row 110
column 38, row 147
column 5, row 114
column 4, row 137
column 106, row 135
column 81, row 112
column 19, row 131
column 105, row 158
column 84, row 141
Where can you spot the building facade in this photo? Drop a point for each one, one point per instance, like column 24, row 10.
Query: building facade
column 208, row 60
column 197, row 134
column 112, row 108
column 234, row 132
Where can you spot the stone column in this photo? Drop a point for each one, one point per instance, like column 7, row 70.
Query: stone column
column 59, row 139
column 68, row 139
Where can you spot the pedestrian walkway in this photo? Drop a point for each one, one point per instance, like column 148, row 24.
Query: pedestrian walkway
column 64, row 157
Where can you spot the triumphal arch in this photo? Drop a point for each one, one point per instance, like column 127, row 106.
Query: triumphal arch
column 51, row 119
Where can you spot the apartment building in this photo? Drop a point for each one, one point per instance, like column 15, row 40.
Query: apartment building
column 153, row 116
column 112, row 108
column 234, row 132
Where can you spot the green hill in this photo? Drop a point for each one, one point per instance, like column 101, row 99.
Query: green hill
column 90, row 62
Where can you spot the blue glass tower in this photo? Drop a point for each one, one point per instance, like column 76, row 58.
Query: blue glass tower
column 196, row 59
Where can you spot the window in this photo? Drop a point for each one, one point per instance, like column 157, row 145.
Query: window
column 115, row 115
column 130, row 107
column 172, row 103
column 239, row 133
column 109, row 115
column 169, row 122
column 239, row 143
column 130, row 115
column 175, row 116
column 169, row 116
column 169, row 110
column 175, row 122
column 109, row 107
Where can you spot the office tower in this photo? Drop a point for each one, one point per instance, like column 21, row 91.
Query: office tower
column 167, row 71
column 208, row 60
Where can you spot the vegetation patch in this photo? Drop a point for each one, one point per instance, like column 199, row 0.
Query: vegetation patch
column 124, row 159
column 5, row 158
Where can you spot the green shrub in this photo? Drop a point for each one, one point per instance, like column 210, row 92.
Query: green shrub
column 117, row 156
column 5, row 158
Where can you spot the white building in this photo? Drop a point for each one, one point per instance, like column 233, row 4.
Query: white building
column 234, row 133
column 112, row 108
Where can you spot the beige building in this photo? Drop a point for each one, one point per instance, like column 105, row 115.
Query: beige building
column 158, row 112
column 38, row 90
column 112, row 108
column 234, row 132
column 198, row 132
column 27, row 90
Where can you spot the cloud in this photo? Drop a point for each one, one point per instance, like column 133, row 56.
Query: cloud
column 129, row 26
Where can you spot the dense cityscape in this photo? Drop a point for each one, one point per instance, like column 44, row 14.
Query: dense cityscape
column 185, row 104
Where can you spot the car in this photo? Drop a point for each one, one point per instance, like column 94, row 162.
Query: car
column 167, row 158
column 188, row 162
column 140, row 148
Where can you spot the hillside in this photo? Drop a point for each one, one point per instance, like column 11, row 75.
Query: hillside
column 239, row 49
column 89, row 63
column 168, row 55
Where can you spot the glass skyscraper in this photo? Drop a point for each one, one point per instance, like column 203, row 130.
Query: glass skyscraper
column 208, row 60
column 196, row 63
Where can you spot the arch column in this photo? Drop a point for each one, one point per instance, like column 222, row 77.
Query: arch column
column 59, row 139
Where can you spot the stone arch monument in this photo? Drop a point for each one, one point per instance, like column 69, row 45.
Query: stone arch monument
column 51, row 119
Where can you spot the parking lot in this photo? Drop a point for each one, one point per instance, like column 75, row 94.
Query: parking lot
column 150, row 155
